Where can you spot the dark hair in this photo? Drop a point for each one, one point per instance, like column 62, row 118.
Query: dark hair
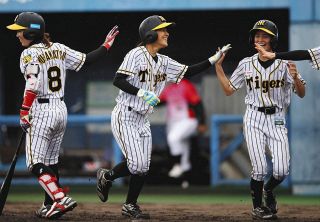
column 46, row 39
column 141, row 44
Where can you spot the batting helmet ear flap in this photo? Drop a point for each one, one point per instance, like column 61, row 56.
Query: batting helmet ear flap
column 150, row 37
column 29, row 34
column 148, row 28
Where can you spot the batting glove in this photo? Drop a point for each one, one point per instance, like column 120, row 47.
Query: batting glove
column 213, row 59
column 110, row 37
column 226, row 48
column 148, row 97
column 24, row 120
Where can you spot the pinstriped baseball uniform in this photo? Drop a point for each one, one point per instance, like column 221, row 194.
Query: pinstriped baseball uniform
column 49, row 112
column 129, row 120
column 315, row 56
column 270, row 87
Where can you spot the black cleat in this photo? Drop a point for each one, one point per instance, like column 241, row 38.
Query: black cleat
column 262, row 213
column 133, row 211
column 103, row 185
column 270, row 201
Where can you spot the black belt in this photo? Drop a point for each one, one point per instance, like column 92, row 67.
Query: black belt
column 46, row 100
column 266, row 110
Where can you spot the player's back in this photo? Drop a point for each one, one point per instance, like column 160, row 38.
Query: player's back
column 53, row 62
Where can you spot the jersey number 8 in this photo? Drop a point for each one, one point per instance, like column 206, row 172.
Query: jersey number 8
column 54, row 75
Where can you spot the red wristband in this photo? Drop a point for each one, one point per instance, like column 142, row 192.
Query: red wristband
column 28, row 99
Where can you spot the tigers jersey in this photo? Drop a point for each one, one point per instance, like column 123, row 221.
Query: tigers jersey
column 315, row 56
column 53, row 62
column 145, row 73
column 265, row 87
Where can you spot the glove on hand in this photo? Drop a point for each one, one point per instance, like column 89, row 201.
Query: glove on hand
column 149, row 97
column 110, row 37
column 213, row 59
column 24, row 120
column 226, row 48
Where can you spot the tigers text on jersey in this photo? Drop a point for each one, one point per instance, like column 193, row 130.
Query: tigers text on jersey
column 265, row 87
column 53, row 62
column 145, row 73
column 315, row 56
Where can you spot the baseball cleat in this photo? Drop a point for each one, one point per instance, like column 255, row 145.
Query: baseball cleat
column 43, row 211
column 133, row 211
column 103, row 185
column 61, row 207
column 262, row 213
column 176, row 171
column 270, row 201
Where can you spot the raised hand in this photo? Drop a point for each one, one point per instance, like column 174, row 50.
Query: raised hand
column 293, row 69
column 111, row 37
column 263, row 52
column 226, row 48
column 213, row 59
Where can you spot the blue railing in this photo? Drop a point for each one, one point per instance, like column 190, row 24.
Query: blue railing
column 217, row 156
column 73, row 120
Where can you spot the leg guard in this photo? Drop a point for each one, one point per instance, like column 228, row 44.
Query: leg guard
column 49, row 184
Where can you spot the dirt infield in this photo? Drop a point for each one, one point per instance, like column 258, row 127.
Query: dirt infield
column 159, row 212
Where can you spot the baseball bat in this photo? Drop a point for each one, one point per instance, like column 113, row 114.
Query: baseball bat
column 7, row 181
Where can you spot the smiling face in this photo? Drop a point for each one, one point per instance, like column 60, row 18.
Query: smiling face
column 263, row 39
column 24, row 42
column 162, row 41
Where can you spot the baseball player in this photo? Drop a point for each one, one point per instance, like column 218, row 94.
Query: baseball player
column 269, row 84
column 43, row 115
column 141, row 77
column 311, row 54
column 184, row 117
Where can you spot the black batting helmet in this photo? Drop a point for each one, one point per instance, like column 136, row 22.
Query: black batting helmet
column 31, row 23
column 148, row 27
column 268, row 27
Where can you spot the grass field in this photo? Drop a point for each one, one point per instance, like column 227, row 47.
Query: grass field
column 163, row 204
column 170, row 195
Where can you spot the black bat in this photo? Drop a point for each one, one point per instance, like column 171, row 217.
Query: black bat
column 7, row 181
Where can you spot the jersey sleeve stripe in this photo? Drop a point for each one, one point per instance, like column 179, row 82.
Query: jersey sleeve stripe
column 314, row 59
column 83, row 58
column 126, row 72
column 232, row 86
column 180, row 76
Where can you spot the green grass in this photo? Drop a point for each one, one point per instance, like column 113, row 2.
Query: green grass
column 170, row 195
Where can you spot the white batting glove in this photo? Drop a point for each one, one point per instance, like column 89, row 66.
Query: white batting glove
column 111, row 37
column 149, row 97
column 213, row 59
column 226, row 48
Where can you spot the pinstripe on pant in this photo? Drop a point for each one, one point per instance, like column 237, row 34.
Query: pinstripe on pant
column 132, row 132
column 260, row 132
column 46, row 132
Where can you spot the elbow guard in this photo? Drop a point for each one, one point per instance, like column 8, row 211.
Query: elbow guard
column 31, row 76
column 32, row 83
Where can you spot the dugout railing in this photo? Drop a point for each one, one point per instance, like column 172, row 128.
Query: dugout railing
column 219, row 155
column 73, row 121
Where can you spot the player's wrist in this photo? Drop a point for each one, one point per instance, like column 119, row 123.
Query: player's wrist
column 141, row 93
column 213, row 59
column 106, row 45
